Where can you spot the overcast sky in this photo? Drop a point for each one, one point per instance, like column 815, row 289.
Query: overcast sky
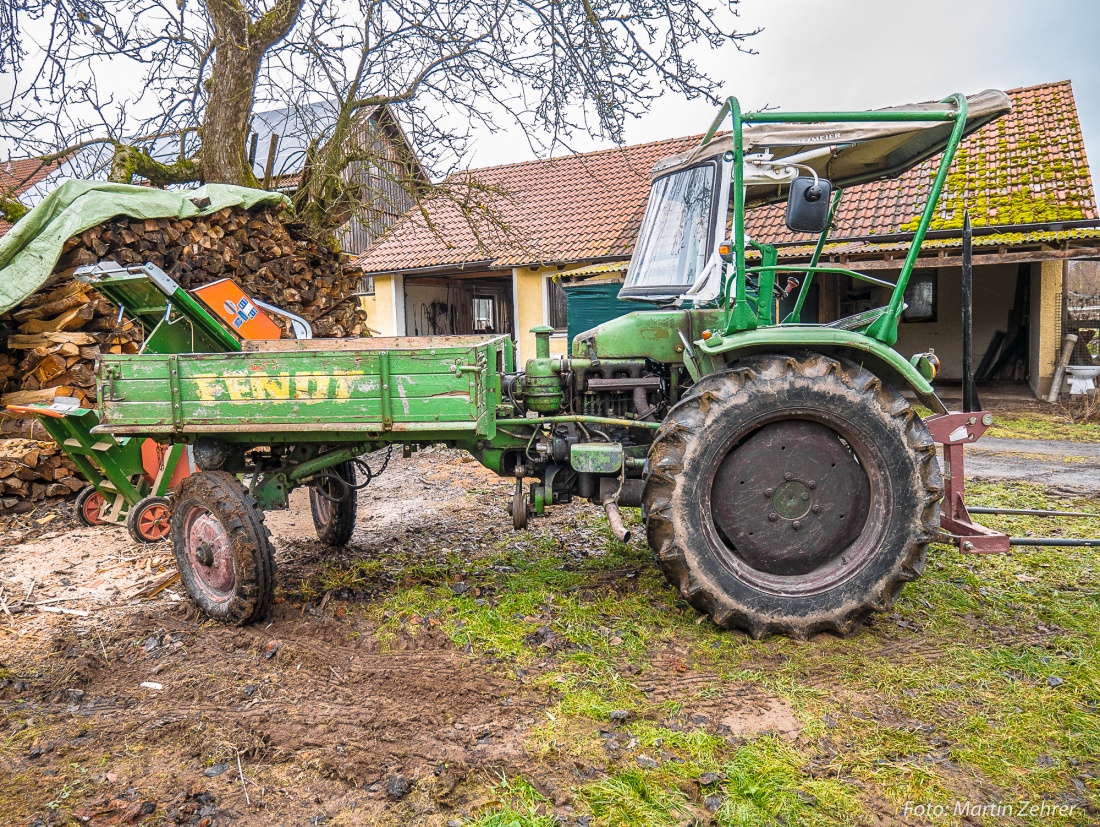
column 863, row 54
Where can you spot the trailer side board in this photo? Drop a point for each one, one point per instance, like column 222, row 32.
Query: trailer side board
column 451, row 387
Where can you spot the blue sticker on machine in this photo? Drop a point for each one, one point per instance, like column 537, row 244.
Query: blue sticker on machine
column 246, row 312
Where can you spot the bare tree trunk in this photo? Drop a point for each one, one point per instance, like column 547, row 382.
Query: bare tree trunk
column 231, row 88
column 239, row 47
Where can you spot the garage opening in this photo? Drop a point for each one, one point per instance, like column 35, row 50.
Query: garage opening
column 458, row 306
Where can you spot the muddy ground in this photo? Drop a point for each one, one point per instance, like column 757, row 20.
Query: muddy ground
column 309, row 690
column 119, row 708
column 1066, row 466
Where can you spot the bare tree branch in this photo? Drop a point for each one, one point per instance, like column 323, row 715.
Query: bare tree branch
column 545, row 69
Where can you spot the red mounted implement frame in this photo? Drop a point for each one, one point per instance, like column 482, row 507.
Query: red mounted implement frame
column 954, row 431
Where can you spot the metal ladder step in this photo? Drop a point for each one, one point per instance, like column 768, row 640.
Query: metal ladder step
column 99, row 446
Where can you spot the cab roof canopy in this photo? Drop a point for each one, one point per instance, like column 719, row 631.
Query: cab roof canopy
column 845, row 152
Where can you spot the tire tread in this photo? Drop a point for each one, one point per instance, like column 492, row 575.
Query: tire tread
column 688, row 420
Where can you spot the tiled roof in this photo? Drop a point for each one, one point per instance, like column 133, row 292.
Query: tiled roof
column 1028, row 167
column 575, row 208
column 19, row 175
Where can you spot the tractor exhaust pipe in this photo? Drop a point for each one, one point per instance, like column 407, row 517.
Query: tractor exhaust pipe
column 615, row 520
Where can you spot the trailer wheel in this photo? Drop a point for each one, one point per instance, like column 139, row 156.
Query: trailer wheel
column 222, row 548
column 792, row 495
column 90, row 504
column 334, row 506
column 520, row 509
column 148, row 520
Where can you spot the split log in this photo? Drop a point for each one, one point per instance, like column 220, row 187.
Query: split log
column 38, row 397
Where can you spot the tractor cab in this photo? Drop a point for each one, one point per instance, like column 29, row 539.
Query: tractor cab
column 693, row 250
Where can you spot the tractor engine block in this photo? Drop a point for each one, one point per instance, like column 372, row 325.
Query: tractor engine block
column 619, row 388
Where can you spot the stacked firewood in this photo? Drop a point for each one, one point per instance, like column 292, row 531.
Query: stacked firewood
column 48, row 348
column 32, row 469
column 52, row 341
column 48, row 344
column 271, row 260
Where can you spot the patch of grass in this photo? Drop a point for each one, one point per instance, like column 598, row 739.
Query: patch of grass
column 981, row 685
column 591, row 613
column 759, row 783
column 1043, row 426
column 519, row 805
column 635, row 798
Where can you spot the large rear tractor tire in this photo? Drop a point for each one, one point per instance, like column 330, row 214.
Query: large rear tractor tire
column 792, row 495
column 334, row 507
column 222, row 548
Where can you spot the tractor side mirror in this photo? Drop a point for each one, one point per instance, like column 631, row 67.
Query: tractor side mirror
column 808, row 204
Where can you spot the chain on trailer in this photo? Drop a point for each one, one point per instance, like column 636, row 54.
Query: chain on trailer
column 330, row 478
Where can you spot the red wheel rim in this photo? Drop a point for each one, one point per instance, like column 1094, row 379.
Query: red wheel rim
column 323, row 508
column 153, row 522
column 209, row 553
column 92, row 507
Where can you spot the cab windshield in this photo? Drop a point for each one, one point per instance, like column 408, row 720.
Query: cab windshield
column 674, row 241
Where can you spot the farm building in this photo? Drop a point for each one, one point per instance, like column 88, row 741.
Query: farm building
column 1024, row 179
column 386, row 168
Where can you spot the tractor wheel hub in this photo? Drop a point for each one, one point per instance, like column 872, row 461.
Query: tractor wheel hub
column 204, row 555
column 790, row 498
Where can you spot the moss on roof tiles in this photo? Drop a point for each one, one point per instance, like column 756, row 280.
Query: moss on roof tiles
column 1039, row 177
column 1009, row 239
column 1027, row 167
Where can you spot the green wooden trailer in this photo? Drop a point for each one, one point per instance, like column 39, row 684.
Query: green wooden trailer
column 351, row 391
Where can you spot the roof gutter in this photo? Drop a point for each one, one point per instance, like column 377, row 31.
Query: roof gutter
column 489, row 264
column 432, row 269
column 1052, row 226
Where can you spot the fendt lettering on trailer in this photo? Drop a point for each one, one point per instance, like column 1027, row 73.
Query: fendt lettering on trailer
column 284, row 386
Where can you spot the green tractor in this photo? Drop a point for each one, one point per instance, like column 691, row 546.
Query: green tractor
column 790, row 486
column 787, row 485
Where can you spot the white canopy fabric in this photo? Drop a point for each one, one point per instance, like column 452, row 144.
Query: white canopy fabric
column 845, row 153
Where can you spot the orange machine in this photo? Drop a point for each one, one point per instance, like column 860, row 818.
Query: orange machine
column 229, row 303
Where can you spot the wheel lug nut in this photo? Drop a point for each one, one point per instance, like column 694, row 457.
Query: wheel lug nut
column 773, row 516
column 768, row 492
column 797, row 524
column 812, row 483
column 788, row 475
column 816, row 509
column 805, row 497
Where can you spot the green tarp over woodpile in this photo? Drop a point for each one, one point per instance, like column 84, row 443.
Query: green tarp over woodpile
column 29, row 251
